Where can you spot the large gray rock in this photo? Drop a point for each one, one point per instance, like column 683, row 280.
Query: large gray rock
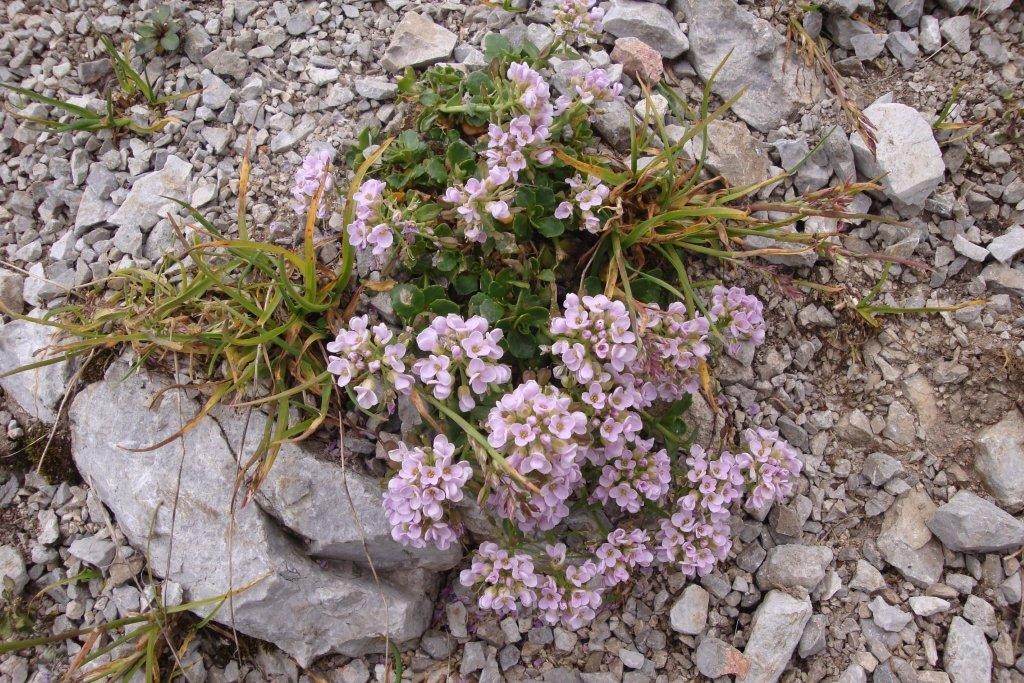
column 906, row 154
column 967, row 656
column 776, row 83
column 649, row 22
column 1000, row 460
column 39, row 392
column 774, row 633
column 971, row 524
column 792, row 565
column 308, row 496
column 147, row 201
column 906, row 543
column 177, row 504
column 418, row 41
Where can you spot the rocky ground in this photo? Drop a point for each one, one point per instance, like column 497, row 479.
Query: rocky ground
column 897, row 560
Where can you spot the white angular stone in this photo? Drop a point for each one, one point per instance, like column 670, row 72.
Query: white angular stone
column 1007, row 245
column 1000, row 460
column 39, row 392
column 418, row 41
column 147, row 201
column 291, row 600
column 775, row 632
column 971, row 524
column 967, row 657
column 689, row 614
column 906, row 157
column 648, row 21
column 775, row 84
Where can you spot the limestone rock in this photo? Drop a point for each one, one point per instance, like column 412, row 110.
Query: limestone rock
column 776, row 83
column 39, row 392
column 774, row 633
column 689, row 614
column 1000, row 460
column 971, row 524
column 418, row 41
column 147, row 201
column 288, row 599
column 967, row 657
column 906, row 154
column 792, row 565
column 906, row 543
column 649, row 22
column 734, row 154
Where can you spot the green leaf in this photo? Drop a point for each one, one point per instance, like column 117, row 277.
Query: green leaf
column 436, row 170
column 407, row 300
column 465, row 284
column 170, row 42
column 521, row 227
column 447, row 261
column 490, row 309
column 550, row 226
column 432, row 293
column 410, row 141
column 147, row 30
column 592, row 285
column 443, row 307
column 496, row 46
column 426, row 212
column 460, row 157
column 521, row 345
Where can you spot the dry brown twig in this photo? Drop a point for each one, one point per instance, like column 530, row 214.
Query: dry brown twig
column 814, row 55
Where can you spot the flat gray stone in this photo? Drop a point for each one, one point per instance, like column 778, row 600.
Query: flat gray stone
column 418, row 41
column 689, row 614
column 971, row 524
column 776, row 83
column 147, row 201
column 40, row 391
column 1000, row 460
column 906, row 543
column 906, row 157
column 1007, row 245
column 791, row 565
column 648, row 21
column 775, row 632
column 735, row 154
column 304, row 608
column 967, row 657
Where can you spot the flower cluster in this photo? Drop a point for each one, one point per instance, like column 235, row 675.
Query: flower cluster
column 508, row 581
column 741, row 316
column 462, row 354
column 478, row 197
column 314, row 172
column 636, row 473
column 538, row 433
column 674, row 345
column 595, row 86
column 534, row 93
column 419, row 497
column 624, row 550
column 588, row 196
column 773, row 466
column 595, row 346
column 367, row 229
column 372, row 361
column 579, row 19
column 697, row 534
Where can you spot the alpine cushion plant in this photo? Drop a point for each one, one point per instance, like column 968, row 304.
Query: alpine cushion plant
column 544, row 324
